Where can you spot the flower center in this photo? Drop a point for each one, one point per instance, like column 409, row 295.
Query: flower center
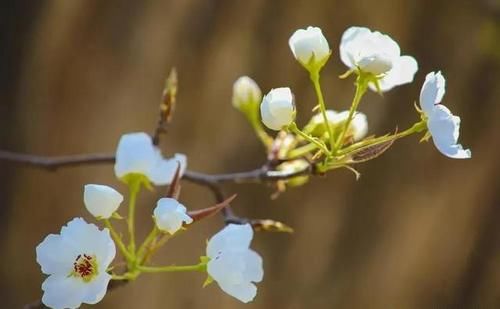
column 85, row 267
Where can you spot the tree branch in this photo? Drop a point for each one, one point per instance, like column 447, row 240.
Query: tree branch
column 54, row 163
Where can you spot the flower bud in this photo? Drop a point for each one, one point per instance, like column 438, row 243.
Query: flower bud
column 310, row 47
column 246, row 93
column 169, row 215
column 357, row 129
column 101, row 201
column 278, row 109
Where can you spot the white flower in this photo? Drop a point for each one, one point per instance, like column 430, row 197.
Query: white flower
column 443, row 126
column 76, row 261
column 306, row 43
column 378, row 54
column 232, row 264
column 101, row 201
column 246, row 93
column 169, row 215
column 277, row 108
column 358, row 127
column 136, row 154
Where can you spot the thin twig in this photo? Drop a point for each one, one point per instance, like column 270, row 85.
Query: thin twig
column 54, row 163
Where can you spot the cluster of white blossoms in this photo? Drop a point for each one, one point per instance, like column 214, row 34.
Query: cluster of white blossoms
column 78, row 261
column 377, row 61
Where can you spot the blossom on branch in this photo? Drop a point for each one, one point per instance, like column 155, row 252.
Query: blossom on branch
column 233, row 264
column 246, row 93
column 358, row 128
column 443, row 126
column 310, row 47
column 101, row 201
column 278, row 109
column 136, row 154
column 377, row 54
column 76, row 261
column 169, row 215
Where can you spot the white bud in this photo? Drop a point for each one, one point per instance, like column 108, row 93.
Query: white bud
column 278, row 109
column 306, row 43
column 101, row 201
column 245, row 93
column 169, row 215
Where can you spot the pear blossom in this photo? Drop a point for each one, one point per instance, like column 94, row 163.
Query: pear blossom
column 169, row 215
column 378, row 54
column 278, row 109
column 76, row 261
column 136, row 154
column 246, row 93
column 232, row 264
column 443, row 126
column 101, row 201
column 310, row 45
column 358, row 128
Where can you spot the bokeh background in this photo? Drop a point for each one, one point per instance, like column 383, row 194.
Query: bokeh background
column 417, row 230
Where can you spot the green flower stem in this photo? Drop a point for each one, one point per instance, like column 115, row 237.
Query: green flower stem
column 259, row 130
column 150, row 269
column 293, row 128
column 118, row 240
column 126, row 276
column 314, row 75
column 147, row 242
column 301, row 151
column 416, row 128
column 361, row 87
column 134, row 187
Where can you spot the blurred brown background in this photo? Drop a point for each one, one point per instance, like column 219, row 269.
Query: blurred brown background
column 418, row 230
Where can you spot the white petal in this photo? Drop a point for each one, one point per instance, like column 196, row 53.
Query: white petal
column 96, row 289
column 101, row 201
column 253, row 266
column 233, row 236
column 87, row 238
column 135, row 154
column 277, row 108
column 164, row 170
column 359, row 126
column 349, row 45
column 305, row 43
column 228, row 267
column 432, row 91
column 385, row 45
column 170, row 215
column 54, row 255
column 244, row 292
column 403, row 71
column 376, row 64
column 61, row 291
column 444, row 128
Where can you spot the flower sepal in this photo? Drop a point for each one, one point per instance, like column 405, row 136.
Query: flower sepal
column 137, row 180
column 314, row 66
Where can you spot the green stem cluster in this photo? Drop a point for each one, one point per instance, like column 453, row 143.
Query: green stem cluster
column 137, row 258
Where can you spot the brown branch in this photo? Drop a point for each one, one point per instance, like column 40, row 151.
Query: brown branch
column 53, row 163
